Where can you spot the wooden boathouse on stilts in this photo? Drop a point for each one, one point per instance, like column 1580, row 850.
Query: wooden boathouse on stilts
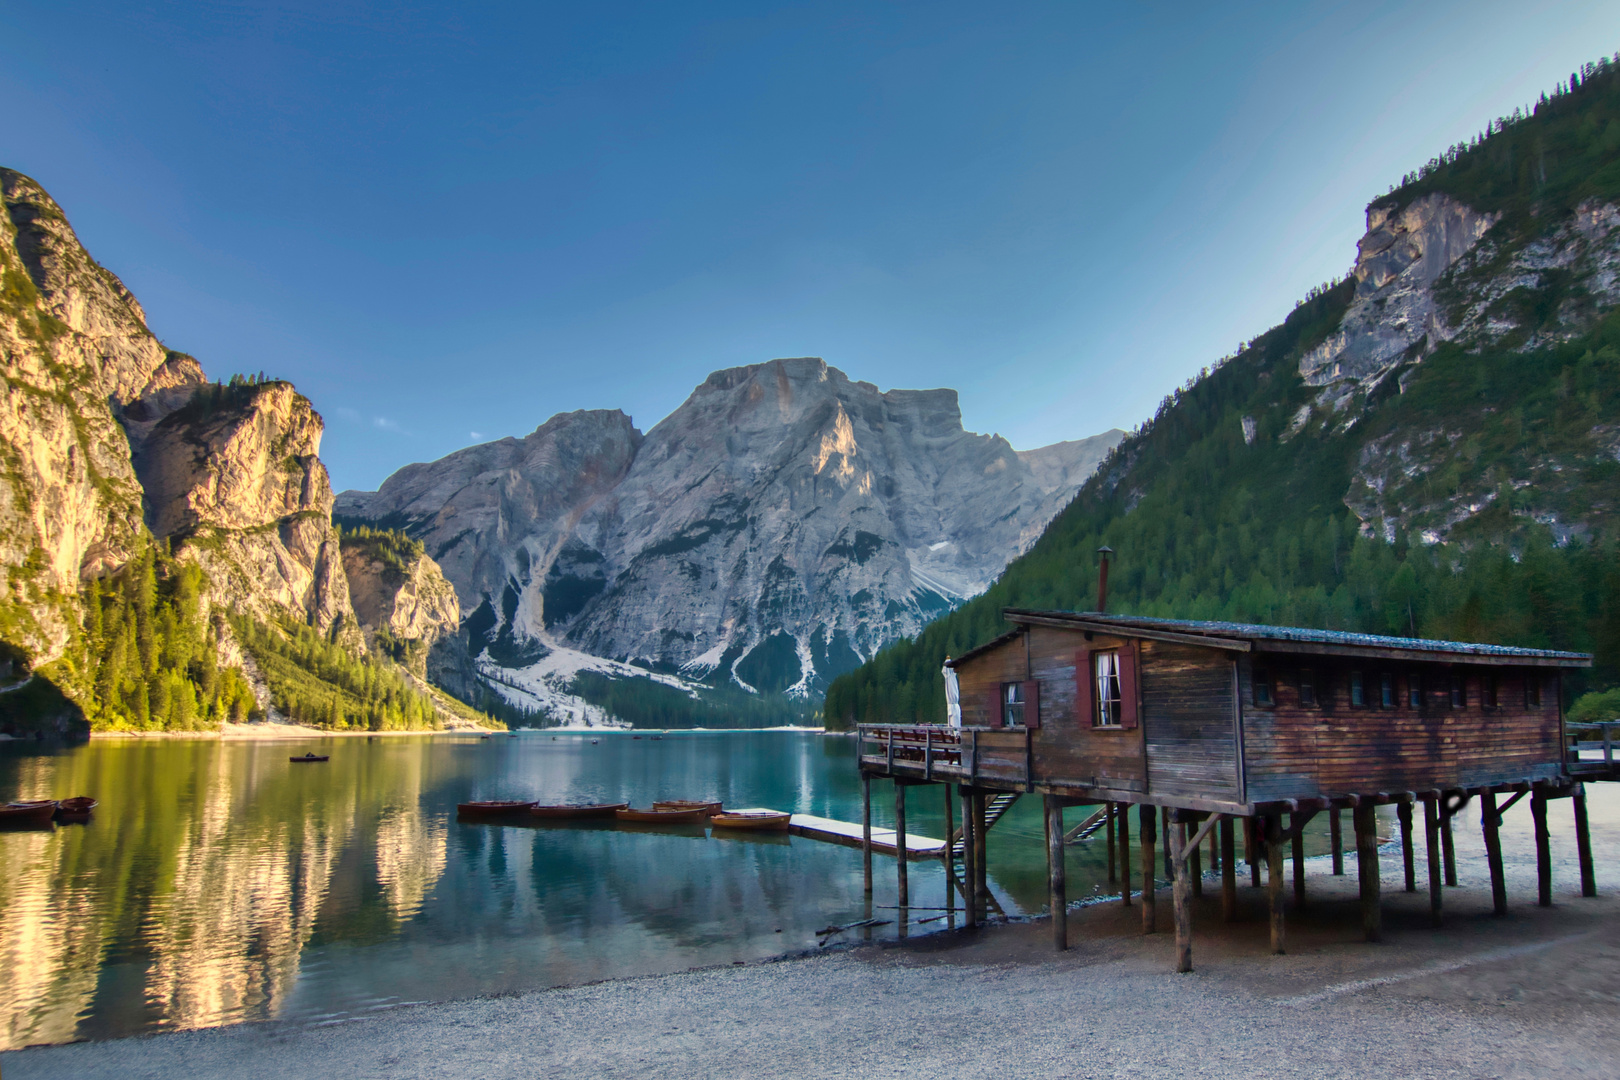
column 1205, row 726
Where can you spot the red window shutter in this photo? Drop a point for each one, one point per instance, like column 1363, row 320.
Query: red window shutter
column 1127, row 685
column 994, row 716
column 1032, row 704
column 1084, row 688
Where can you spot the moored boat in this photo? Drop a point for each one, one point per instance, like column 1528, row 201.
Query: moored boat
column 588, row 810
column 28, row 813
column 75, row 809
column 688, row 804
column 493, row 808
column 664, row 817
column 311, row 756
column 763, row 820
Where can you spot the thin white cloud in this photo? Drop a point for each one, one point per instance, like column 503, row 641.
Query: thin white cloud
column 475, row 436
column 385, row 424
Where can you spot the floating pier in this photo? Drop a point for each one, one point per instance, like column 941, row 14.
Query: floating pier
column 849, row 834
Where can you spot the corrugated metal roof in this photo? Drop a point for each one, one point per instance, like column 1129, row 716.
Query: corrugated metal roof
column 1258, row 631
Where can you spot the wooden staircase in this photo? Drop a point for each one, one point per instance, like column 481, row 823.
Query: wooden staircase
column 994, row 810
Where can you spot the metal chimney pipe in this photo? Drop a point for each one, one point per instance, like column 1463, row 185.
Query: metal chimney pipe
column 1102, row 577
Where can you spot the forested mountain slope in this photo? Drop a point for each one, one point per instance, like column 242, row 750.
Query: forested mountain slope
column 1430, row 447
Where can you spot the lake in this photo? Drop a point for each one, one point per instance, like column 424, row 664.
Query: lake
column 217, row 882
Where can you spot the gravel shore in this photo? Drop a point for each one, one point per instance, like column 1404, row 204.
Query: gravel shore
column 1535, row 994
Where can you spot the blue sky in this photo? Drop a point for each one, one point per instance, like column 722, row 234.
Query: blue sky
column 446, row 226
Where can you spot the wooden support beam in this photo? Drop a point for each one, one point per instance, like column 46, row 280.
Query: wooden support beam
column 1448, row 849
column 1296, row 828
column 1251, row 850
column 1583, row 842
column 1491, row 823
column 981, row 868
column 1403, row 811
column 1054, row 874
column 1148, row 816
column 1366, row 823
column 901, row 862
column 1215, row 847
column 970, row 917
column 1431, row 842
column 1164, row 827
column 1228, row 870
column 866, row 829
column 1113, row 874
column 1274, row 881
column 1181, row 889
column 1538, row 814
column 1194, row 869
column 1337, row 840
column 1122, row 817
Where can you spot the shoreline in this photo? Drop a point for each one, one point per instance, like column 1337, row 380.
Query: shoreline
column 269, row 731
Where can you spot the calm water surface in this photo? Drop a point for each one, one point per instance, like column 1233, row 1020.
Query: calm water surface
column 218, row 882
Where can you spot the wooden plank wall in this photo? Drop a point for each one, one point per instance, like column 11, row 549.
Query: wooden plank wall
column 980, row 679
column 1293, row 750
column 1189, row 721
column 1067, row 747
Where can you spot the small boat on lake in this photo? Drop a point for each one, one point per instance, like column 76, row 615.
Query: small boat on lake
column 311, row 756
column 763, row 820
column 493, row 808
column 28, row 813
column 656, row 816
column 75, row 809
column 688, row 804
column 588, row 810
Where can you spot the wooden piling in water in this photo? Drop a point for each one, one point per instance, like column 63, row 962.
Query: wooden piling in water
column 980, row 850
column 900, row 861
column 1538, row 814
column 1491, row 824
column 1431, row 841
column 1181, row 888
column 1108, row 827
column 1148, row 821
column 1055, row 876
column 970, row 917
column 1228, row 870
column 1403, row 812
column 1337, row 841
column 866, row 829
column 1122, row 816
column 1365, row 817
column 1583, row 842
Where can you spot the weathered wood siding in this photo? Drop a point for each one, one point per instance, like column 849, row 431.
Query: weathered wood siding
column 1294, row 750
column 980, row 679
column 1067, row 748
column 1189, row 721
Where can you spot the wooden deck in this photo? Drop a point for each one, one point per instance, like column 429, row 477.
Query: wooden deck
column 848, row 833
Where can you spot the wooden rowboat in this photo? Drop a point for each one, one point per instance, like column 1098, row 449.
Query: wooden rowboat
column 311, row 757
column 687, row 804
column 75, row 809
column 768, row 821
column 664, row 817
column 592, row 810
column 493, row 808
column 27, row 813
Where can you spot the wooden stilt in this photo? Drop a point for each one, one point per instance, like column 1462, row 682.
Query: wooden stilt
column 1195, row 867
column 1403, row 812
column 1164, row 827
column 1122, row 816
column 945, row 854
column 1583, row 842
column 1365, row 817
column 970, row 917
column 1214, row 850
column 1491, row 823
column 1431, row 843
column 1448, row 849
column 1148, row 821
column 1296, row 824
column 1054, row 874
column 1108, row 827
column 1538, row 814
column 900, row 860
column 980, row 851
column 1228, row 870
column 1181, row 890
column 866, row 829
column 1274, row 881
column 1337, row 841
column 1251, row 849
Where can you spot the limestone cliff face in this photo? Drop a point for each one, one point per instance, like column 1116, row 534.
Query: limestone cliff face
column 405, row 596
column 781, row 525
column 234, row 477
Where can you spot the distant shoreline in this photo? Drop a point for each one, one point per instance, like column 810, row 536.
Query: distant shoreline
column 267, row 731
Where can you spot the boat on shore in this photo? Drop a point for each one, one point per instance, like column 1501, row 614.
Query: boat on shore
column 688, row 804
column 762, row 820
column 28, row 813
column 588, row 810
column 493, row 808
column 657, row 816
column 311, row 756
column 75, row 809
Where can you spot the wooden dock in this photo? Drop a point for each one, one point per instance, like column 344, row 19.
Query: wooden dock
column 848, row 833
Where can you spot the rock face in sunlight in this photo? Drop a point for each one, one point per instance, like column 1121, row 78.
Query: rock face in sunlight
column 779, row 527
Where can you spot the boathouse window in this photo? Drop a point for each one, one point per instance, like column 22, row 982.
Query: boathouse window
column 1105, row 668
column 1414, row 691
column 1012, row 704
column 1386, row 690
column 1263, row 694
column 1459, row 691
column 1358, row 690
column 1532, row 691
column 1487, row 690
column 1307, row 687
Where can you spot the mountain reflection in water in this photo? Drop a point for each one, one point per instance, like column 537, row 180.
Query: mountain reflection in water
column 218, row 882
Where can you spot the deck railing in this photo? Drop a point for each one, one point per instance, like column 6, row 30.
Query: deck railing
column 1580, row 739
column 970, row 754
